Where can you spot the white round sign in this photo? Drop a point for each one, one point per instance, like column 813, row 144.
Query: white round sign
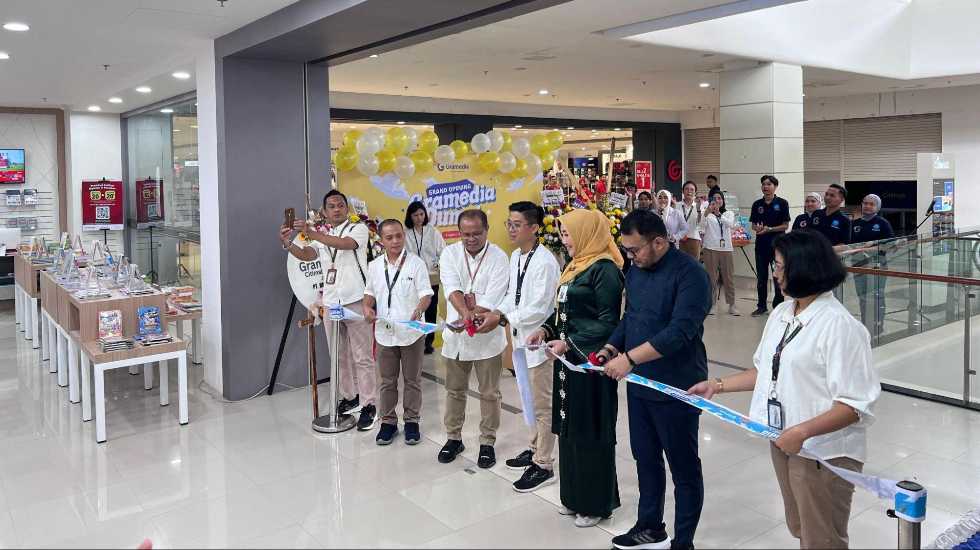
column 305, row 278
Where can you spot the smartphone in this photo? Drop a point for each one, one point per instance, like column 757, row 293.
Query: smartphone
column 290, row 217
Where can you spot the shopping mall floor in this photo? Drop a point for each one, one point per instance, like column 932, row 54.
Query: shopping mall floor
column 252, row 474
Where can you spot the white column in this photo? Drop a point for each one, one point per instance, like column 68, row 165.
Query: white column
column 207, row 150
column 762, row 133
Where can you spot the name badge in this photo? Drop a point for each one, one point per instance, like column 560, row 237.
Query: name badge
column 563, row 293
column 775, row 414
column 331, row 277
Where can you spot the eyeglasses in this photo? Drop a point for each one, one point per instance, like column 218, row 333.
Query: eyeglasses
column 632, row 250
column 514, row 226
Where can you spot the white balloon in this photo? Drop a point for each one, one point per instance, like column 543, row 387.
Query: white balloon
column 521, row 148
column 377, row 132
column 507, row 163
column 534, row 168
column 480, row 143
column 413, row 139
column 368, row 145
column 496, row 140
column 404, row 167
column 368, row 165
column 445, row 155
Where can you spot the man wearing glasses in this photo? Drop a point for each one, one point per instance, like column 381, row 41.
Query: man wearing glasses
column 660, row 337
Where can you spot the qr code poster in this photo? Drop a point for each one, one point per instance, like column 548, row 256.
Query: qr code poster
column 102, row 206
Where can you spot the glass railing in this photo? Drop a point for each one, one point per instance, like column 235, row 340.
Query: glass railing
column 916, row 295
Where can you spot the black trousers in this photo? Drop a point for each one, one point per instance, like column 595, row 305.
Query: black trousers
column 670, row 428
column 430, row 315
column 765, row 255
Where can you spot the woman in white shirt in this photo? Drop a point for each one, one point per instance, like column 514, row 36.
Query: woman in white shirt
column 676, row 226
column 426, row 242
column 813, row 380
column 718, row 252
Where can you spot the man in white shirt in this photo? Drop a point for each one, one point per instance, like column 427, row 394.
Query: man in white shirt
column 690, row 210
column 397, row 290
column 343, row 253
column 473, row 275
column 530, row 300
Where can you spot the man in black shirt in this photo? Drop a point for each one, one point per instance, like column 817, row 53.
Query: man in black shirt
column 770, row 218
column 871, row 227
column 713, row 188
column 831, row 221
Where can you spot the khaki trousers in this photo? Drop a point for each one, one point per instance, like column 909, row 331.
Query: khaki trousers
column 406, row 360
column 720, row 263
column 488, row 384
column 817, row 502
column 357, row 373
column 542, row 440
column 691, row 247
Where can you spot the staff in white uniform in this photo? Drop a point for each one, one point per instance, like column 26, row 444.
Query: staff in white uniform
column 529, row 302
column 719, row 261
column 676, row 226
column 692, row 212
column 814, row 381
column 426, row 242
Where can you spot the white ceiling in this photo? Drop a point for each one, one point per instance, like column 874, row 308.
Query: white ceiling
column 143, row 41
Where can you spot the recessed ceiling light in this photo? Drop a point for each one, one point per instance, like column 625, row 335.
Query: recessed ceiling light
column 519, row 126
column 94, row 108
column 374, row 56
column 4, row 55
column 181, row 75
column 401, row 122
column 16, row 27
column 571, row 127
column 617, row 129
column 144, row 89
column 166, row 111
column 704, row 85
column 115, row 100
column 542, row 91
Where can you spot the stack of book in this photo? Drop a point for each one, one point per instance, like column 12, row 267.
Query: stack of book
column 115, row 344
column 110, row 332
column 149, row 330
column 93, row 294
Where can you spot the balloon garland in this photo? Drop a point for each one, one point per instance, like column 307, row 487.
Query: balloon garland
column 406, row 152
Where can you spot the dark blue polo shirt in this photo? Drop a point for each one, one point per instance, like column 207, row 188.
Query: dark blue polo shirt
column 875, row 229
column 802, row 222
column 770, row 215
column 666, row 306
column 836, row 227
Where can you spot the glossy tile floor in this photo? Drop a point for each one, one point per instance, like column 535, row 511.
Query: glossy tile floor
column 252, row 474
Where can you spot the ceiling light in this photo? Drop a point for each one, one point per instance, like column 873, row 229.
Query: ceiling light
column 4, row 55
column 617, row 129
column 374, row 56
column 704, row 85
column 542, row 91
column 115, row 100
column 181, row 75
column 16, row 27
column 144, row 89
column 519, row 126
column 571, row 127
column 94, row 108
column 401, row 122
column 176, row 130
column 166, row 111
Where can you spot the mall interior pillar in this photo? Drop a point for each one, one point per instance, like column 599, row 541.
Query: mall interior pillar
column 762, row 133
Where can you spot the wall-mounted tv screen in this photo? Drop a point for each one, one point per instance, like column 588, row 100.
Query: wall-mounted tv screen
column 12, row 168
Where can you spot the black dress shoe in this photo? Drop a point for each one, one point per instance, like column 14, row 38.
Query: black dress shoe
column 487, row 457
column 450, row 450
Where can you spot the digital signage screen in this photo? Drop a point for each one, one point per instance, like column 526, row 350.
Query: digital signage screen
column 12, row 168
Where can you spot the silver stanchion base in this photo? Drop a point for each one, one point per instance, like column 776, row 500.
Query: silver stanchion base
column 326, row 424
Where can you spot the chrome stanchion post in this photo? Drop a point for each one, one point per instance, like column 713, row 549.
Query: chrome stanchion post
column 910, row 509
column 334, row 422
column 967, row 333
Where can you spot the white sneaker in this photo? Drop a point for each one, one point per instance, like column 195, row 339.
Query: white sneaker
column 566, row 511
column 586, row 521
column 733, row 311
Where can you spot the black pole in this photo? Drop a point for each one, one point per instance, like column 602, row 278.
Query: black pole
column 282, row 346
column 105, row 237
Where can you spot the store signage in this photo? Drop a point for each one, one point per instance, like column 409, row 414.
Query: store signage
column 643, row 174
column 149, row 201
column 617, row 200
column 673, row 171
column 552, row 197
column 444, row 201
column 102, row 205
column 305, row 278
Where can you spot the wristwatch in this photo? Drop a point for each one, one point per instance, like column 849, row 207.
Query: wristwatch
column 630, row 359
column 720, row 385
column 503, row 319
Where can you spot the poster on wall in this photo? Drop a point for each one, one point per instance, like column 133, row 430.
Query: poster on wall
column 149, row 202
column 102, row 206
column 643, row 174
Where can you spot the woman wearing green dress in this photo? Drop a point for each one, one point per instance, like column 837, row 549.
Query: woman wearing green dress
column 585, row 405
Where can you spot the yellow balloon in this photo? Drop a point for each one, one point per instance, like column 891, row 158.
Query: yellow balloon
column 540, row 144
column 460, row 148
column 554, row 140
column 350, row 138
column 428, row 142
column 396, row 140
column 489, row 161
column 422, row 161
column 547, row 159
column 508, row 142
column 386, row 161
column 346, row 159
column 520, row 169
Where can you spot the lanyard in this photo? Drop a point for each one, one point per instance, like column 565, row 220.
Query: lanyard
column 721, row 232
column 466, row 258
column 391, row 282
column 687, row 213
column 786, row 339
column 419, row 241
column 520, row 274
column 333, row 251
